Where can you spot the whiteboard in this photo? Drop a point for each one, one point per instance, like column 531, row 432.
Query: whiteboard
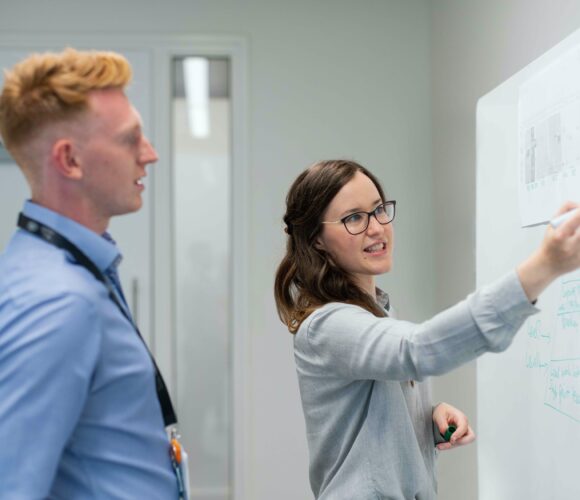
column 529, row 396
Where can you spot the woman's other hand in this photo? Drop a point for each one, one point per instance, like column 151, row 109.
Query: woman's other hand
column 445, row 415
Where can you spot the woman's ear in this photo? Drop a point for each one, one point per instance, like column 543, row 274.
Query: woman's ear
column 319, row 244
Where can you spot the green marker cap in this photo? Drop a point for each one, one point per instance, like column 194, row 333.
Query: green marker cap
column 450, row 430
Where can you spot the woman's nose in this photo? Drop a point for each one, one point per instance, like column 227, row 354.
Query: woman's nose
column 374, row 225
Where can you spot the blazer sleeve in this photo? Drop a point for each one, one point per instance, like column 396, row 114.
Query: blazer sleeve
column 349, row 342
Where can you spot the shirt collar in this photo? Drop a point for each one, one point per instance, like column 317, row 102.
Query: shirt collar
column 383, row 299
column 101, row 249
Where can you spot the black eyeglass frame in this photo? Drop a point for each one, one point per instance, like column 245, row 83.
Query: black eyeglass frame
column 342, row 221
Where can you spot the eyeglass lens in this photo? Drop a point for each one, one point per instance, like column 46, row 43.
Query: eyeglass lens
column 358, row 222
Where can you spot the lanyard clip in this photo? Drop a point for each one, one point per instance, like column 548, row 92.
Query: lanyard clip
column 175, row 450
column 177, row 462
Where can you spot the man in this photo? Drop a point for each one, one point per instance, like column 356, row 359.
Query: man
column 79, row 413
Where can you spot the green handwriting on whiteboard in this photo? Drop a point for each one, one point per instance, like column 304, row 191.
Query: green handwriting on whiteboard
column 557, row 353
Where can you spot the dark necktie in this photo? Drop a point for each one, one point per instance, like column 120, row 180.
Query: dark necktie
column 113, row 275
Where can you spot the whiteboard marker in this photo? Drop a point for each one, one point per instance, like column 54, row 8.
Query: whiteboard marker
column 557, row 221
column 450, row 430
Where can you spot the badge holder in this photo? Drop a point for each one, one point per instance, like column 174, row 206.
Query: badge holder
column 180, row 465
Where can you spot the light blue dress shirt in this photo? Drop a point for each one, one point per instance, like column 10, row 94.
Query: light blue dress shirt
column 79, row 414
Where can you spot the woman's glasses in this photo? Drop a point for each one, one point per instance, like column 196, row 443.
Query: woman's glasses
column 358, row 222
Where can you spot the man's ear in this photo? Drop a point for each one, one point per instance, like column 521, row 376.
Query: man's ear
column 65, row 160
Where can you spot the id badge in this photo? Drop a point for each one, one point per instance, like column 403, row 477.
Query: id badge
column 179, row 461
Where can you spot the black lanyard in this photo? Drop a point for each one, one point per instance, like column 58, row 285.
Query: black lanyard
column 51, row 236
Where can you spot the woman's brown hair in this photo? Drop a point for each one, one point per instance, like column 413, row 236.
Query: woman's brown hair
column 307, row 277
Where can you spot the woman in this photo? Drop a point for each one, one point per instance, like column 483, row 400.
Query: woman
column 372, row 431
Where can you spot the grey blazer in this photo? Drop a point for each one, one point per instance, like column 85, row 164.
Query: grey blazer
column 369, row 428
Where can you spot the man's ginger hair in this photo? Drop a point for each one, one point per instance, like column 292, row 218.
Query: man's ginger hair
column 54, row 87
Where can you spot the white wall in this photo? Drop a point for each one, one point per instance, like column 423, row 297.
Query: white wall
column 331, row 78
column 476, row 44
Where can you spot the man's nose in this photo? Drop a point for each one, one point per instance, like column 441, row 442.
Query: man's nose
column 148, row 154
